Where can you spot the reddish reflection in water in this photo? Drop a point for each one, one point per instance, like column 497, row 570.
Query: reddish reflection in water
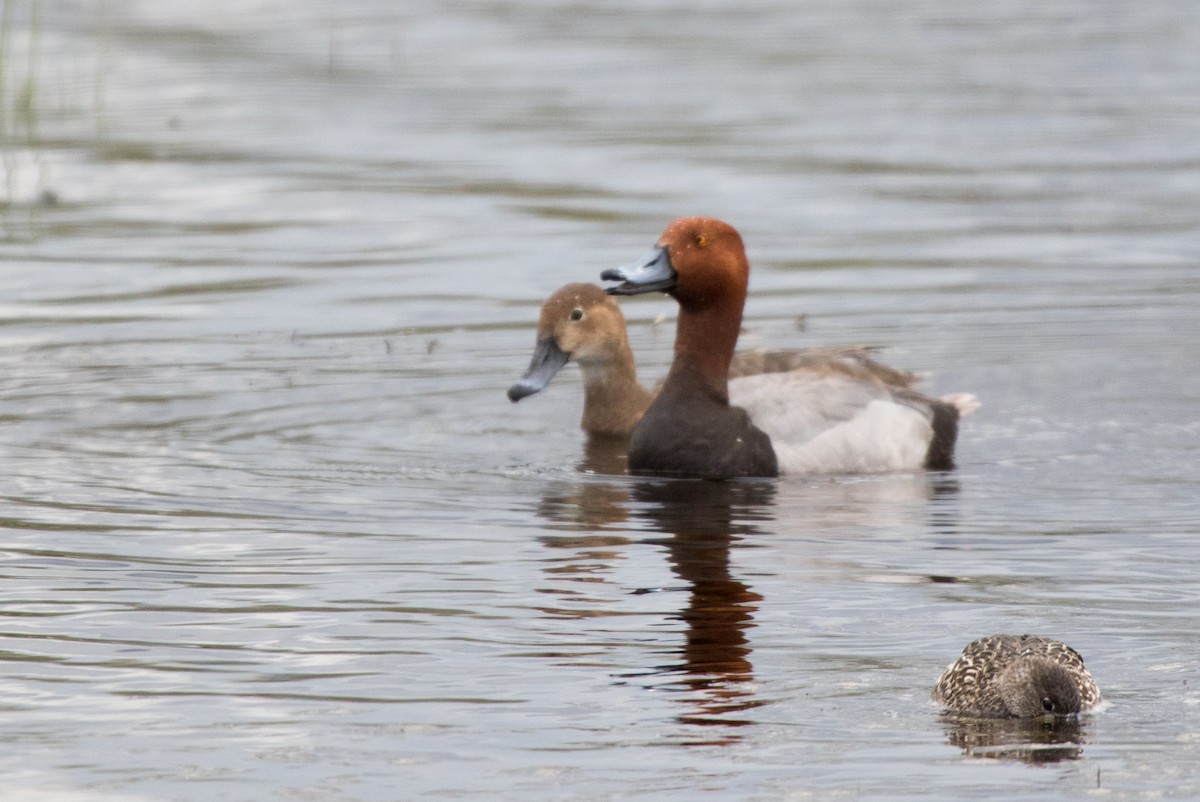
column 702, row 520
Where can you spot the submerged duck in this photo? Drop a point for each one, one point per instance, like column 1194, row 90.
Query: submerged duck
column 1017, row 676
column 786, row 422
column 580, row 323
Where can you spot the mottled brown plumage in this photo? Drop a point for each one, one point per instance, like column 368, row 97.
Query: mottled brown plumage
column 1017, row 676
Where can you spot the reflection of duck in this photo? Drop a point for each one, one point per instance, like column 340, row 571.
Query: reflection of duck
column 703, row 519
column 1017, row 676
column 711, row 672
column 1035, row 741
column 580, row 323
column 787, row 422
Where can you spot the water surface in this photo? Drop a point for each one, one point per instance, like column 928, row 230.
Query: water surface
column 272, row 530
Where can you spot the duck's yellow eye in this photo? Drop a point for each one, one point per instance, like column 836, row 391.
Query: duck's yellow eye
column 701, row 240
column 576, row 314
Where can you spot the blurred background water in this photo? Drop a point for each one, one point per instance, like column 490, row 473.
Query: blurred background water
column 272, row 530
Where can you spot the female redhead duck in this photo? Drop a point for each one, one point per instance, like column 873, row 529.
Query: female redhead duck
column 580, row 323
column 787, row 422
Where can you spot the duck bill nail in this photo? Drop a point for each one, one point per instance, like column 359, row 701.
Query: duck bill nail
column 548, row 358
column 651, row 273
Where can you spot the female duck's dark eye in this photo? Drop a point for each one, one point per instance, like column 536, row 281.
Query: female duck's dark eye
column 1048, row 704
column 576, row 314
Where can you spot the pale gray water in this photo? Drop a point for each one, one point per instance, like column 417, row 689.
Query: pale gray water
column 271, row 529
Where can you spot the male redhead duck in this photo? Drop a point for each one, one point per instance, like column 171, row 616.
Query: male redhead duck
column 786, row 422
column 580, row 323
column 1017, row 676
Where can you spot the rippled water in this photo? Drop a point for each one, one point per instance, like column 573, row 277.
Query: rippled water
column 272, row 530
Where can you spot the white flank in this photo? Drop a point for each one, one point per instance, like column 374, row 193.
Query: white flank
column 821, row 424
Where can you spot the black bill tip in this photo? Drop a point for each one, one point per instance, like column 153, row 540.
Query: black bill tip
column 547, row 360
column 652, row 273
